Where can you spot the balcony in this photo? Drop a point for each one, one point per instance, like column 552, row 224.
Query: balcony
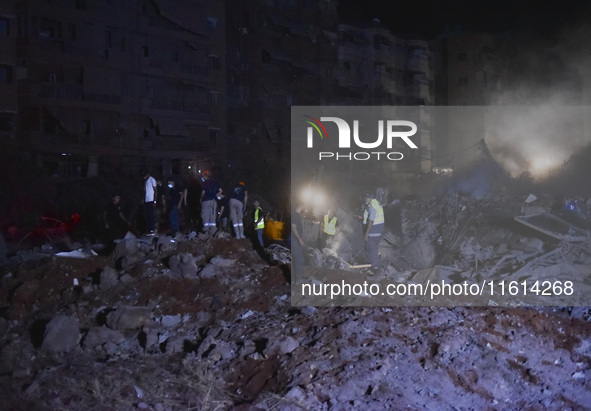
column 63, row 91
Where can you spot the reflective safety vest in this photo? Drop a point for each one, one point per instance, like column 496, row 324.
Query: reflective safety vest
column 330, row 228
column 261, row 224
column 379, row 213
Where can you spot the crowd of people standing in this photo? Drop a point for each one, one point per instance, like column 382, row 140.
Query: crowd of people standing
column 183, row 205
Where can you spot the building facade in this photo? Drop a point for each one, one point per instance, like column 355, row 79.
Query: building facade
column 119, row 85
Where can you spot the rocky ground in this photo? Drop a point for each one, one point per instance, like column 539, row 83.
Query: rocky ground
column 207, row 323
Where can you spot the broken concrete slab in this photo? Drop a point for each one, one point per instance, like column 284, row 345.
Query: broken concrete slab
column 80, row 253
column 209, row 271
column 170, row 320
column 62, row 333
column 125, row 317
column 108, row 278
column 97, row 336
column 126, row 247
column 183, row 264
column 553, row 226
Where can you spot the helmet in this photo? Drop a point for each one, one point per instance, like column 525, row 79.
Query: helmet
column 241, row 183
column 368, row 194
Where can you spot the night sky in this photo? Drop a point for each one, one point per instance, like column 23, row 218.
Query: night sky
column 431, row 17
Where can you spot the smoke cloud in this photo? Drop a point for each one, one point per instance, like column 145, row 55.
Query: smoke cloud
column 549, row 95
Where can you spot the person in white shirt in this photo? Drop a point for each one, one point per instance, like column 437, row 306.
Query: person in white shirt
column 150, row 188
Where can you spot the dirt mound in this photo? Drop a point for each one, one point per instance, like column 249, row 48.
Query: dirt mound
column 206, row 323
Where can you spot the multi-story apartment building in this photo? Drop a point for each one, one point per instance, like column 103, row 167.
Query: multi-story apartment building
column 118, row 85
column 8, row 96
column 280, row 53
column 376, row 67
column 115, row 86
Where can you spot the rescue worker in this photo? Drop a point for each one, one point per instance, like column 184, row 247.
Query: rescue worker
column 259, row 221
column 209, row 191
column 150, row 190
column 172, row 203
column 328, row 229
column 373, row 221
column 238, row 200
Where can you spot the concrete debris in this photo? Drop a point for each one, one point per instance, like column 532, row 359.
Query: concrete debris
column 327, row 259
column 530, row 199
column 170, row 320
column 125, row 248
column 279, row 254
column 165, row 244
column 62, row 333
column 108, row 278
column 99, row 336
column 209, row 271
column 125, row 318
column 236, row 338
column 553, row 226
column 184, row 265
column 223, row 262
column 80, row 253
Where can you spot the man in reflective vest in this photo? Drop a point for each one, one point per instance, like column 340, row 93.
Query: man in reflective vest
column 328, row 229
column 259, row 221
column 373, row 221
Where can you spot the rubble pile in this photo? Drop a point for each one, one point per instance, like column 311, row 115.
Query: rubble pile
column 206, row 323
column 512, row 236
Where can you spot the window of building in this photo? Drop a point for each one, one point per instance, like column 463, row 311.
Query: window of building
column 265, row 56
column 214, row 62
column 347, row 65
column 50, row 29
column 463, row 56
column 5, row 74
column 81, row 4
column 310, row 4
column 212, row 23
column 213, row 98
column 213, row 135
column 4, row 27
column 146, row 51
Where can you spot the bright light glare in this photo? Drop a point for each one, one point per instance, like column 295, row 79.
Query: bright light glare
column 313, row 196
column 319, row 198
column 307, row 194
